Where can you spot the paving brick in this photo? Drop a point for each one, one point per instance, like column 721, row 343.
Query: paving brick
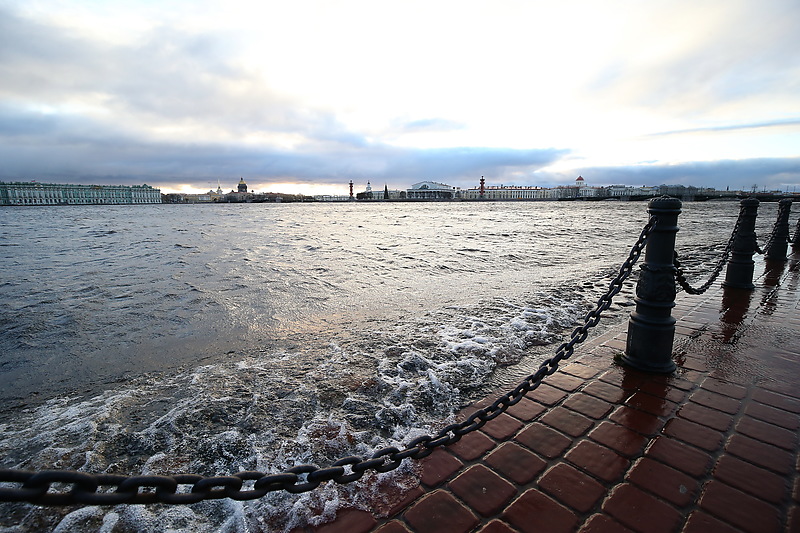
column 534, row 512
column 651, row 404
column 706, row 416
column 543, row 440
column 547, row 395
column 692, row 376
column 761, row 453
column 774, row 399
column 667, row 389
column 773, row 415
column 607, row 392
column 694, row 363
column 588, row 405
column 683, row 383
column 567, row 421
column 526, row 409
column 516, row 463
column 502, row 427
column 439, row 511
column 598, row 460
column 679, row 456
column 665, row 482
column 483, row 490
column 565, row 381
column 619, row 438
column 349, row 521
column 496, row 526
column 725, row 388
column 392, row 527
column 602, row 523
column 765, row 432
column 394, row 499
column 580, row 370
column 638, row 421
column 739, row 509
column 438, row 466
column 640, row 511
column 782, row 387
column 472, row 445
column 700, row 522
column 625, row 377
column 761, row 483
column 572, row 487
column 700, row 436
column 716, row 401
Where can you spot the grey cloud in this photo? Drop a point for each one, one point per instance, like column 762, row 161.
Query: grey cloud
column 734, row 127
column 169, row 78
column 34, row 146
column 772, row 173
column 431, row 124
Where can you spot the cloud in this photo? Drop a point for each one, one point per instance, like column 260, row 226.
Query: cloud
column 707, row 60
column 34, row 145
column 431, row 124
column 772, row 173
column 180, row 97
column 733, row 127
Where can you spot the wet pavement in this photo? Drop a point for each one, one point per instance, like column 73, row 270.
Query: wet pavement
column 603, row 448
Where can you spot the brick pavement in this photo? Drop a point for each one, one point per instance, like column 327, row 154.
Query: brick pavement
column 602, row 448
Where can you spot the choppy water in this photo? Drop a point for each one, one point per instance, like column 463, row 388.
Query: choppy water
column 217, row 338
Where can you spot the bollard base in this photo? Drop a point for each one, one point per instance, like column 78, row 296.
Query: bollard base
column 649, row 345
column 666, row 367
column 738, row 285
column 739, row 275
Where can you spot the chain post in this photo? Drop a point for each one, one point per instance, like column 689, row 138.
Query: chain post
column 651, row 328
column 741, row 265
column 778, row 242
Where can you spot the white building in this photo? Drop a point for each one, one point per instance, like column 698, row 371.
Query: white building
column 505, row 193
column 431, row 190
column 34, row 193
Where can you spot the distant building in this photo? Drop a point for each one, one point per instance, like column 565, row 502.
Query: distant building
column 504, row 192
column 431, row 190
column 385, row 194
column 34, row 193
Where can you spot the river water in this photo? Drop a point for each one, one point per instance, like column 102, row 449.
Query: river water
column 216, row 338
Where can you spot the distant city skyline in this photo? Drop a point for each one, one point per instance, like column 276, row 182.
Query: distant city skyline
column 302, row 97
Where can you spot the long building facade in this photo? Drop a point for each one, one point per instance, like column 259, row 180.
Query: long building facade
column 34, row 193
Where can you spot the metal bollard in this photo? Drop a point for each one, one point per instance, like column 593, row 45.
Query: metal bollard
column 741, row 265
column 651, row 328
column 779, row 240
column 796, row 241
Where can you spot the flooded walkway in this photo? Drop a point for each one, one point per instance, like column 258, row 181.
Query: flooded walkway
column 602, row 448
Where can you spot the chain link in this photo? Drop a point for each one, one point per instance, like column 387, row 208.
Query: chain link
column 680, row 276
column 85, row 488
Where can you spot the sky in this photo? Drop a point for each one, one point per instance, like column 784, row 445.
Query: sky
column 303, row 96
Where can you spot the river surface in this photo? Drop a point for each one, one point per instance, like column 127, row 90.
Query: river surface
column 217, row 338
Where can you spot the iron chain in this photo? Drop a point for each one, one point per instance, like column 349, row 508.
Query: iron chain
column 771, row 238
column 85, row 488
column 680, row 276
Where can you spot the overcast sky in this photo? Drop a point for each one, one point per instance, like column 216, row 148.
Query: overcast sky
column 303, row 96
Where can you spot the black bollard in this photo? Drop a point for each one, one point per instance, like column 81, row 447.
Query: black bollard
column 796, row 241
column 779, row 240
column 741, row 265
column 651, row 328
